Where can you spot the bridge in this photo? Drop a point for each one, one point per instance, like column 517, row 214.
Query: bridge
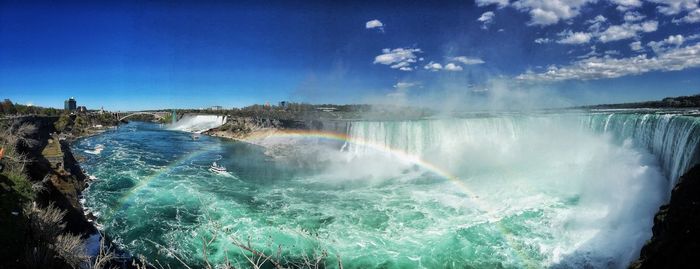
column 157, row 114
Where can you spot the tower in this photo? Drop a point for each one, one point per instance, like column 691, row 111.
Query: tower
column 70, row 104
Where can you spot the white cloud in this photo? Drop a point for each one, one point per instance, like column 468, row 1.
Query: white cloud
column 624, row 5
column 547, row 12
column 467, row 60
column 374, row 24
column 597, row 19
column 627, row 30
column 596, row 23
column 404, row 85
column 636, row 46
column 486, row 18
column 543, row 17
column 593, row 52
column 575, row 38
column 601, row 68
column 542, row 40
column 433, row 66
column 399, row 58
column 673, row 7
column 663, row 45
column 402, row 90
column 633, row 16
column 500, row 3
column 452, row 67
column 692, row 17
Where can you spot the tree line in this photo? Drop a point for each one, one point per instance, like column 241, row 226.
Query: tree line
column 8, row 108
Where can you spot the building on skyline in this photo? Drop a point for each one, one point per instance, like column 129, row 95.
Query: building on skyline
column 70, row 104
column 215, row 108
column 82, row 109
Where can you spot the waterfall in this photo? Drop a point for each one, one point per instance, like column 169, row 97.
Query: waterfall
column 198, row 123
column 674, row 139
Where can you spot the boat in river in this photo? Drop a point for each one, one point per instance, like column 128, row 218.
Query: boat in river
column 215, row 168
column 97, row 150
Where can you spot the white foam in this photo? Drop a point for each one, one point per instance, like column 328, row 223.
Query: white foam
column 198, row 123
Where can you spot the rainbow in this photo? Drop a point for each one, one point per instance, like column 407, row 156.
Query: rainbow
column 144, row 183
column 399, row 154
column 408, row 158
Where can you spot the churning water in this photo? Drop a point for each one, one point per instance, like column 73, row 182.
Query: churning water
column 523, row 191
column 197, row 123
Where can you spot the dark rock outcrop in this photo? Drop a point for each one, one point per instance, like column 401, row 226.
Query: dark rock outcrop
column 676, row 233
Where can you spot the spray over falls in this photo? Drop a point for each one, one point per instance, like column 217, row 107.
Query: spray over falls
column 518, row 191
column 197, row 123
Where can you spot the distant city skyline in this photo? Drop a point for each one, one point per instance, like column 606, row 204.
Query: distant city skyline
column 127, row 55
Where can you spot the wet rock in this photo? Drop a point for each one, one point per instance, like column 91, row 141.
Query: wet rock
column 676, row 233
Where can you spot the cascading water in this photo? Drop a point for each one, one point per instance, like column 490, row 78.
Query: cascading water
column 198, row 123
column 524, row 191
column 674, row 139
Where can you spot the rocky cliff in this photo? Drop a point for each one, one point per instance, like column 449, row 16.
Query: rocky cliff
column 56, row 181
column 676, row 232
column 243, row 127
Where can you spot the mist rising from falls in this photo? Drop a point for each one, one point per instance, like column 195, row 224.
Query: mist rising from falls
column 674, row 139
column 613, row 164
column 198, row 123
column 536, row 191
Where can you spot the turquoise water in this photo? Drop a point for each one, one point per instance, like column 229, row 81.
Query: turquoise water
column 532, row 193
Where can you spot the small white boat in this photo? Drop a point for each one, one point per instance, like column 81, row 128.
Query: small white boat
column 215, row 168
column 97, row 150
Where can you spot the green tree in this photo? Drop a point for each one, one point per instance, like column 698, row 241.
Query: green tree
column 8, row 107
column 62, row 122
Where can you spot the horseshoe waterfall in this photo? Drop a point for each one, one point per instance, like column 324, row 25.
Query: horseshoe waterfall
column 552, row 190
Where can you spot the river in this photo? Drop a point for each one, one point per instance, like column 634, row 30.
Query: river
column 524, row 191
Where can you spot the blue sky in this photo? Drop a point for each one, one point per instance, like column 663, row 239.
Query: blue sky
column 148, row 55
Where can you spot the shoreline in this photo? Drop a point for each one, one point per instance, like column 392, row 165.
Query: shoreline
column 260, row 133
column 94, row 233
column 253, row 137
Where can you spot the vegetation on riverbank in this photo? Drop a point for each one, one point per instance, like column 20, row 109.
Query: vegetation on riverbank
column 307, row 112
column 32, row 228
column 8, row 108
column 668, row 102
column 84, row 124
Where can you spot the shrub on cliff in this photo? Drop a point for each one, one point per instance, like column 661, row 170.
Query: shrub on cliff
column 47, row 244
column 32, row 236
column 63, row 122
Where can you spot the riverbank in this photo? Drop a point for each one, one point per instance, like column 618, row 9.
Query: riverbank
column 248, row 137
column 676, row 232
column 56, row 182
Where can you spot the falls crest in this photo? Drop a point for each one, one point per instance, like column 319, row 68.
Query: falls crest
column 673, row 139
column 198, row 123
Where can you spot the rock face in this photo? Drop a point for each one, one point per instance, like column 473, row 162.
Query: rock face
column 676, row 239
column 243, row 127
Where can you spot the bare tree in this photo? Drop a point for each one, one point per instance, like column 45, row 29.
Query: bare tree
column 71, row 249
column 48, row 240
column 103, row 257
